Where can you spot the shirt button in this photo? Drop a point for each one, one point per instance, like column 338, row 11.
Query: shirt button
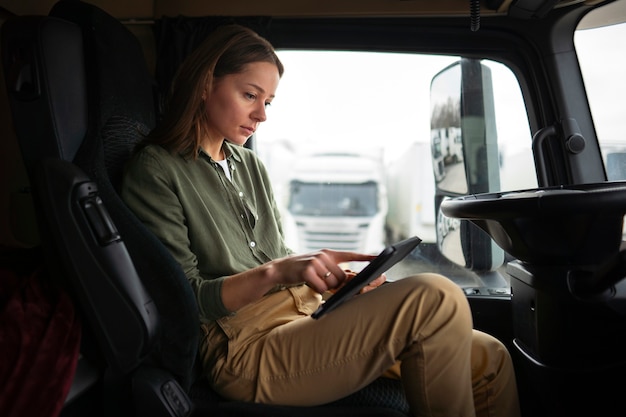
column 252, row 244
column 240, row 194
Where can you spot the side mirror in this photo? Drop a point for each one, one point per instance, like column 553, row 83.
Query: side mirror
column 465, row 158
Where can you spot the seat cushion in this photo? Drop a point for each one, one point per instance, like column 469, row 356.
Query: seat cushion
column 382, row 398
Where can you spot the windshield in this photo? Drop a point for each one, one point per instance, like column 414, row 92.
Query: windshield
column 350, row 152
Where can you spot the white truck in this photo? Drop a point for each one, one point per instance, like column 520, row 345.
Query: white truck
column 411, row 194
column 337, row 201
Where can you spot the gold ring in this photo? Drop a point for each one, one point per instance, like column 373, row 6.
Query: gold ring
column 327, row 274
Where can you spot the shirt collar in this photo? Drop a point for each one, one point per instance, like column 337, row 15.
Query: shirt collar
column 228, row 152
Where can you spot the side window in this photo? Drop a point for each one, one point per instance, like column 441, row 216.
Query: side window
column 348, row 145
column 602, row 55
column 517, row 166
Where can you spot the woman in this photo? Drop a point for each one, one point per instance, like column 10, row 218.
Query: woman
column 210, row 201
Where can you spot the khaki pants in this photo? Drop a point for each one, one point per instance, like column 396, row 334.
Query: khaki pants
column 418, row 329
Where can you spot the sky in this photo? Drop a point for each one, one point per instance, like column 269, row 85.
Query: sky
column 360, row 100
column 368, row 101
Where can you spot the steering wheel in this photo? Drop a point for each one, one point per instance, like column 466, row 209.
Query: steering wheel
column 578, row 224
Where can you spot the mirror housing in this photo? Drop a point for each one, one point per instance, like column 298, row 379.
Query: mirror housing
column 465, row 155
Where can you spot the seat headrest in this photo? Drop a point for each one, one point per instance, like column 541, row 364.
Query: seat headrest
column 122, row 91
column 49, row 82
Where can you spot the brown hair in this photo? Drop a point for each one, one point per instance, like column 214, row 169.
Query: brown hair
column 227, row 50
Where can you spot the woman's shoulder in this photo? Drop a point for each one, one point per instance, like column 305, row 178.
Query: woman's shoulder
column 151, row 150
column 151, row 160
column 152, row 154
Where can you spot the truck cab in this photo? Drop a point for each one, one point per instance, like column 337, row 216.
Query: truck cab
column 499, row 134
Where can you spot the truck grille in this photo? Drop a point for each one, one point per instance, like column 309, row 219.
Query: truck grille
column 328, row 239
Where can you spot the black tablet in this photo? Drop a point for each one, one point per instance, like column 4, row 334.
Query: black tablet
column 385, row 260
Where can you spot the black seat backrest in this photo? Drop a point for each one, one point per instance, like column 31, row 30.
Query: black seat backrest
column 121, row 90
column 36, row 49
column 78, row 110
column 39, row 49
column 122, row 107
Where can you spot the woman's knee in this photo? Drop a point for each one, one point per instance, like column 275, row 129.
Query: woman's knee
column 436, row 286
column 489, row 356
column 493, row 377
column 437, row 297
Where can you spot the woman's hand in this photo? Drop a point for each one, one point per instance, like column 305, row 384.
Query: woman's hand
column 319, row 270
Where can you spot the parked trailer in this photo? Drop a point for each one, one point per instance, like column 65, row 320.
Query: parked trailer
column 411, row 194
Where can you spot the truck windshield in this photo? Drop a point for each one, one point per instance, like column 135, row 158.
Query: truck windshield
column 333, row 199
column 353, row 160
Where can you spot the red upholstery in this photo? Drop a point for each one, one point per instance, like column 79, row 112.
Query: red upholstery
column 39, row 345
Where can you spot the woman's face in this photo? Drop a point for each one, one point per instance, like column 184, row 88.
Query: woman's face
column 237, row 103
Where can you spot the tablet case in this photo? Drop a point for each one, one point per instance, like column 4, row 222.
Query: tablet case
column 386, row 259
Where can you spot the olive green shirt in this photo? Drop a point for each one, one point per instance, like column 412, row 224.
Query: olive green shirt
column 214, row 227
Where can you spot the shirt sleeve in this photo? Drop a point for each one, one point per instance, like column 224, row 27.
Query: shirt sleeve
column 147, row 190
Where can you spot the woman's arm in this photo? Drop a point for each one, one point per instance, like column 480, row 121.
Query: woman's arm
column 312, row 269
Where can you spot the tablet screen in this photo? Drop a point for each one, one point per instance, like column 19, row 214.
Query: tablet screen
column 385, row 260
